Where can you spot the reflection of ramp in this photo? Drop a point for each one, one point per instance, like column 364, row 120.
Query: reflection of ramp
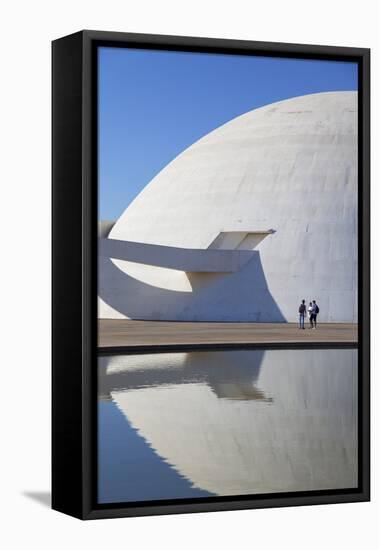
column 231, row 375
column 305, row 439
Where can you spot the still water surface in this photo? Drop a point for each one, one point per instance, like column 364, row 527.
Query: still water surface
column 197, row 424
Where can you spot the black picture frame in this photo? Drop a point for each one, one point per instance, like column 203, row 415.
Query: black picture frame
column 74, row 273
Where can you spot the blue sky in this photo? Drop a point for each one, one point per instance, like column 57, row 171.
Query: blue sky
column 154, row 104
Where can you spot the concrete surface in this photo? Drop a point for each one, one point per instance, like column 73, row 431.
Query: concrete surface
column 118, row 333
column 104, row 228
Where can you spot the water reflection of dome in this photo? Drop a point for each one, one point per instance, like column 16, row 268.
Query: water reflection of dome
column 290, row 166
column 306, row 439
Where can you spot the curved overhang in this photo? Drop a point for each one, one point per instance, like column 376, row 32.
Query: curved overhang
column 210, row 260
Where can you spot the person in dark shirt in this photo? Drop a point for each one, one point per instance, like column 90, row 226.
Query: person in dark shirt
column 302, row 312
column 315, row 312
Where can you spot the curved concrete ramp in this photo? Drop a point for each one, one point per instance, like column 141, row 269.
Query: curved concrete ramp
column 172, row 257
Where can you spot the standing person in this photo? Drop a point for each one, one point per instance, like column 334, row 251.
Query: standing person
column 310, row 309
column 315, row 312
column 302, row 311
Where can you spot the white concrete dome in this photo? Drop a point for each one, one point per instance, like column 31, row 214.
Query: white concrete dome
column 290, row 167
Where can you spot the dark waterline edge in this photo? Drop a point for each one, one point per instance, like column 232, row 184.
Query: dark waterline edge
column 159, row 348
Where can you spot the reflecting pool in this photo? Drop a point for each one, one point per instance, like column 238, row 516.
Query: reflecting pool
column 197, row 424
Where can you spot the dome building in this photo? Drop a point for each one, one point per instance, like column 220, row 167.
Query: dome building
column 253, row 217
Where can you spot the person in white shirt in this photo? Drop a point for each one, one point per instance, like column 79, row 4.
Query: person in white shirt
column 310, row 309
